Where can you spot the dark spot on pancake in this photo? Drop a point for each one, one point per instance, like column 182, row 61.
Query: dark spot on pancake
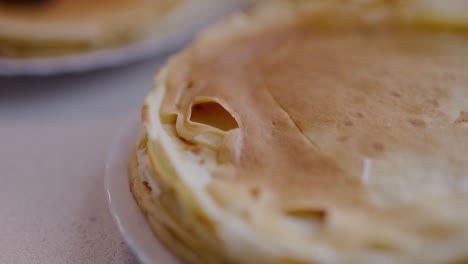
column 357, row 114
column 418, row 123
column 195, row 150
column 348, row 123
column 190, row 84
column 395, row 94
column 379, row 147
column 342, row 138
column 147, row 186
column 255, row 192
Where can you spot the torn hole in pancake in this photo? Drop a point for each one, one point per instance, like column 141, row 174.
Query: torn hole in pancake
column 213, row 114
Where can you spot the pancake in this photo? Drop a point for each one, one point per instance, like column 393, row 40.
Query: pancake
column 310, row 132
column 38, row 28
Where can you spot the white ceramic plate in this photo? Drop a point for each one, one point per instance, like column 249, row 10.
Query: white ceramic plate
column 172, row 32
column 125, row 211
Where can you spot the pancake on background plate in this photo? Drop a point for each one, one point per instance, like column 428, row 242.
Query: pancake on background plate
column 308, row 132
column 42, row 28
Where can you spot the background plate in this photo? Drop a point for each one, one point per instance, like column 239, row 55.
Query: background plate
column 125, row 211
column 172, row 32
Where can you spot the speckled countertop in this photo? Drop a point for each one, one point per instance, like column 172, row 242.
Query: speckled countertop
column 55, row 133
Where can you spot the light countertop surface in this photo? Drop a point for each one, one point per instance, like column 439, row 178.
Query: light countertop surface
column 55, row 134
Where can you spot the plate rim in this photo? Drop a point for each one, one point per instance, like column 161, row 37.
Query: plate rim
column 125, row 138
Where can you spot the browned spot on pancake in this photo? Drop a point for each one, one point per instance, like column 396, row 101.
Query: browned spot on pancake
column 255, row 192
column 418, row 123
column 395, row 94
column 348, row 123
column 190, row 85
column 354, row 99
column 147, row 186
column 379, row 147
column 342, row 138
column 193, row 148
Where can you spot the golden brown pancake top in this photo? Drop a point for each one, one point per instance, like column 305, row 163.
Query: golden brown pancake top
column 325, row 111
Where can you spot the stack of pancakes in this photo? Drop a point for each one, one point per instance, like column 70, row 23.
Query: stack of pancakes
column 311, row 132
column 44, row 28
